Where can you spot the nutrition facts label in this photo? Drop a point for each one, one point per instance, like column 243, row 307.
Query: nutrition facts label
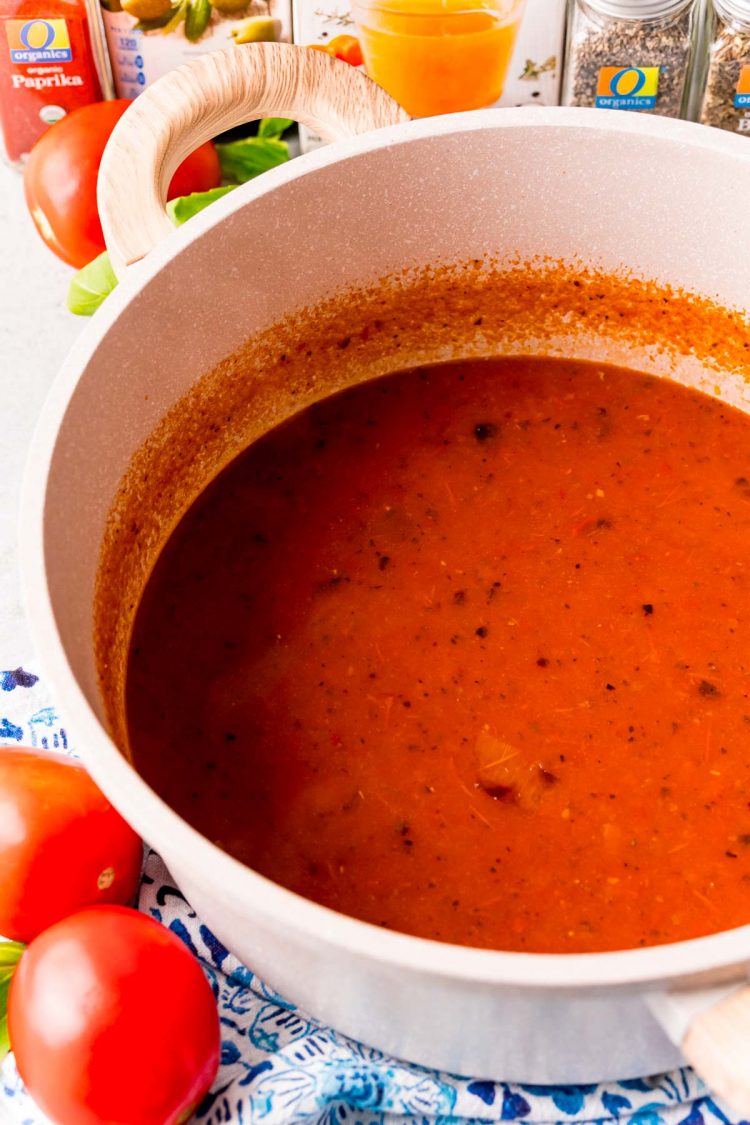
column 136, row 59
column 141, row 57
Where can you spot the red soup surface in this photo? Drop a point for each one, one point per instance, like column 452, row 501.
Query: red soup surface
column 464, row 652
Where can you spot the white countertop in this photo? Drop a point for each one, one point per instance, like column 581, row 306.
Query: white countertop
column 36, row 331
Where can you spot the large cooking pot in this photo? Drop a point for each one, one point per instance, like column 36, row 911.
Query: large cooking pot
column 565, row 232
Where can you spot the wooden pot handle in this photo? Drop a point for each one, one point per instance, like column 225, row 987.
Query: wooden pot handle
column 712, row 1028
column 207, row 96
column 717, row 1044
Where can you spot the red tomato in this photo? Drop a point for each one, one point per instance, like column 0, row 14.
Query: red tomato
column 62, row 844
column 200, row 171
column 112, row 1020
column 346, row 48
column 60, row 179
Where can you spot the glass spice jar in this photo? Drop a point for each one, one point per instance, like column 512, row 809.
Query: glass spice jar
column 631, row 54
column 726, row 96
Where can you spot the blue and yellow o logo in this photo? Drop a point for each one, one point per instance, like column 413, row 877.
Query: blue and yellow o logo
column 627, row 82
column 37, row 35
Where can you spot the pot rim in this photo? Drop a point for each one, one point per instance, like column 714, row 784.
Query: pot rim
column 648, row 966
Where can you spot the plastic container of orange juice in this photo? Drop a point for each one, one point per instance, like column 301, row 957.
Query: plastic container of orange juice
column 446, row 56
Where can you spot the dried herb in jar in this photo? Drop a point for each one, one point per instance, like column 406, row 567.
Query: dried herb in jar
column 726, row 100
column 631, row 55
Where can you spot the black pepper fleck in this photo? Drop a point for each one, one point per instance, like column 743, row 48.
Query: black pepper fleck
column 483, row 431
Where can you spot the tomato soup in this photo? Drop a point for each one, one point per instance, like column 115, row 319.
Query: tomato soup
column 464, row 652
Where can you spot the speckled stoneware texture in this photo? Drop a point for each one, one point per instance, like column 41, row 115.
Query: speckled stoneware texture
column 567, row 232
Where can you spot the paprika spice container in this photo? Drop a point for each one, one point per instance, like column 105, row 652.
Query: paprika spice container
column 726, row 96
column 631, row 54
column 52, row 60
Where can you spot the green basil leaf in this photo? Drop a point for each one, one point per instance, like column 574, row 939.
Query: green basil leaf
column 91, row 285
column 182, row 209
column 243, row 160
column 10, row 955
column 273, row 127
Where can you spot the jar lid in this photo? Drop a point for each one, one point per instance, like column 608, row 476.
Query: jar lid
column 642, row 9
column 733, row 9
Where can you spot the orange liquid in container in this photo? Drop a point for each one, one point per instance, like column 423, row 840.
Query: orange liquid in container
column 438, row 56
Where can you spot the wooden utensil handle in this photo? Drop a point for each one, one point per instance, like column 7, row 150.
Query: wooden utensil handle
column 717, row 1044
column 207, row 96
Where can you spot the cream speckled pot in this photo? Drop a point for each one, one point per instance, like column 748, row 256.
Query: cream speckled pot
column 667, row 200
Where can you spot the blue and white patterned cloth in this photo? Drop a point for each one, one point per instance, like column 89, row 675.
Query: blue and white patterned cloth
column 281, row 1067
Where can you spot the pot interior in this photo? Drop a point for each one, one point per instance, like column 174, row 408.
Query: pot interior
column 461, row 310
column 528, row 234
